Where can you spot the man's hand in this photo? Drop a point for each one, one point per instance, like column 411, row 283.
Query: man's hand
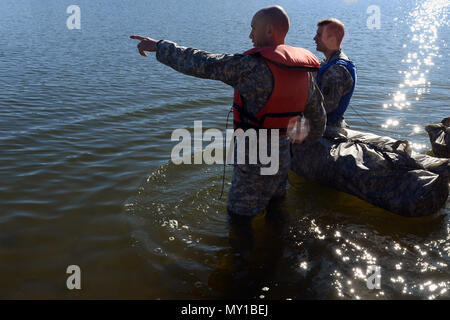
column 146, row 44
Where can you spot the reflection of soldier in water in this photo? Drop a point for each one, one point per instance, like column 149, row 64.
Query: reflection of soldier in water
column 251, row 263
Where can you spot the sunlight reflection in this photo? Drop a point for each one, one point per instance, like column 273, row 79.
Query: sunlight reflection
column 390, row 123
column 425, row 21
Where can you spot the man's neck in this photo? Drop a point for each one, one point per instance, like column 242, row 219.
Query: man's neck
column 275, row 42
column 330, row 53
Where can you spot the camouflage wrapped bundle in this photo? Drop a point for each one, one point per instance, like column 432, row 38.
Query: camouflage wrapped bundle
column 379, row 170
column 440, row 138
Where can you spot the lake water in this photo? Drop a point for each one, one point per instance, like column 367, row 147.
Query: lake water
column 86, row 176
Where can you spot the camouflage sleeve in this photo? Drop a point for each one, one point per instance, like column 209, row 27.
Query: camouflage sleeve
column 315, row 111
column 228, row 68
column 336, row 82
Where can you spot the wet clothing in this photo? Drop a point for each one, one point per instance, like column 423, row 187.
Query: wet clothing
column 337, row 84
column 250, row 75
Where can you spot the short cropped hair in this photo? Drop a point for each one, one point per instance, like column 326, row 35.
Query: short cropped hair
column 334, row 26
column 277, row 16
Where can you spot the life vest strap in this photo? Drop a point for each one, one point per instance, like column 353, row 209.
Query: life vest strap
column 245, row 126
column 303, row 68
column 247, row 115
column 259, row 124
column 281, row 115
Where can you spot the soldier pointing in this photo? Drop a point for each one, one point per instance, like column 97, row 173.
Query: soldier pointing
column 272, row 82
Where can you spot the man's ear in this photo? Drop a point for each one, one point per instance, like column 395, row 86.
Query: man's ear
column 334, row 39
column 269, row 30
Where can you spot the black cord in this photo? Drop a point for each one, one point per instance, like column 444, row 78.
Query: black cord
column 225, row 153
column 361, row 116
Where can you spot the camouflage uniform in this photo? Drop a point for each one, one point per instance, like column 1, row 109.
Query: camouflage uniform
column 250, row 192
column 440, row 138
column 335, row 83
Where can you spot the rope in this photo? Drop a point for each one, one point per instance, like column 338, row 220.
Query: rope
column 225, row 153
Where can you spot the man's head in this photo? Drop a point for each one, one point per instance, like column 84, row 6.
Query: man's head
column 330, row 33
column 269, row 27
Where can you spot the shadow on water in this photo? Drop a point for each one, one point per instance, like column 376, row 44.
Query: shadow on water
column 316, row 243
column 183, row 232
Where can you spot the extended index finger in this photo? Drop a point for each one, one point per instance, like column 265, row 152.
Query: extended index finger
column 137, row 37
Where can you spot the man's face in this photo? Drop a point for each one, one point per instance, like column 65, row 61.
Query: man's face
column 258, row 33
column 322, row 39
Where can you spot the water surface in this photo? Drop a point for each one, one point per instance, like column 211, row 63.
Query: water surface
column 85, row 127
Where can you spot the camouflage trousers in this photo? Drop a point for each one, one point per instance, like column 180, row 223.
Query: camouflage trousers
column 251, row 192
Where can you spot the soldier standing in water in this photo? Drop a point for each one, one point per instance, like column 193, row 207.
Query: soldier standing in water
column 273, row 82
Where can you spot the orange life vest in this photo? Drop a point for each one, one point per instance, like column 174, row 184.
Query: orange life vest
column 289, row 67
